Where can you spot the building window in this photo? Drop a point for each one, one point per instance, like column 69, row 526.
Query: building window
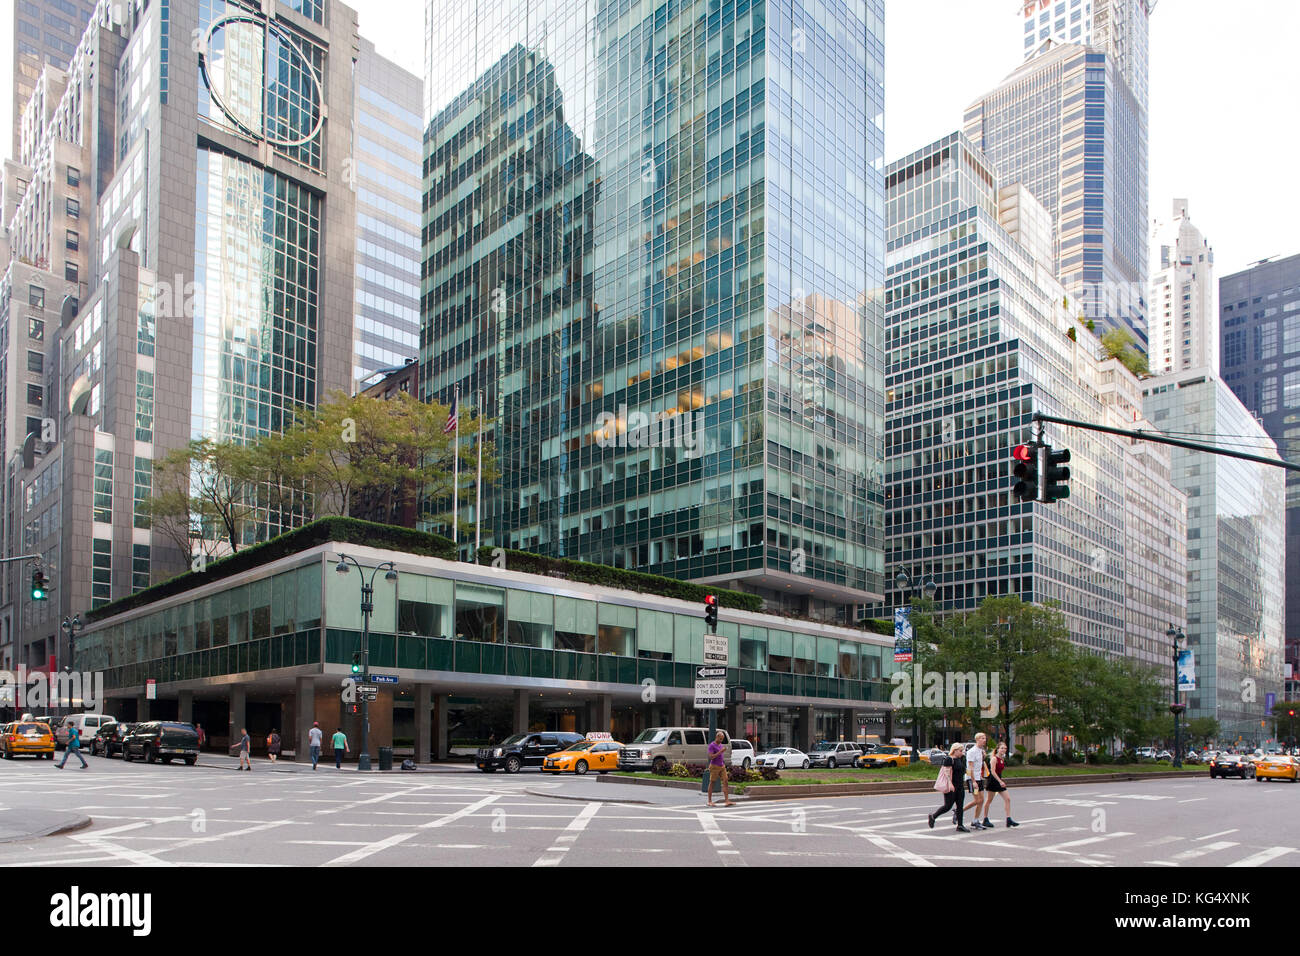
column 35, row 395
column 36, row 296
column 74, row 176
column 101, row 571
column 103, row 491
column 139, row 567
column 143, row 491
column 143, row 405
column 35, row 361
column 72, row 241
column 36, row 329
column 70, row 271
column 73, row 208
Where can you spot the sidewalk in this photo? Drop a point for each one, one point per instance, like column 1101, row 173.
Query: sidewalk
column 27, row 824
column 214, row 760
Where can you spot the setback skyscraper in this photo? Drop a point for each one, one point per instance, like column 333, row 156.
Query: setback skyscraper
column 1183, row 321
column 654, row 242
column 45, row 32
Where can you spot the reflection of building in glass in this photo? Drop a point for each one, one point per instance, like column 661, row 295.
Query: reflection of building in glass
column 1067, row 126
column 1259, row 328
column 627, row 219
column 1235, row 547
column 979, row 336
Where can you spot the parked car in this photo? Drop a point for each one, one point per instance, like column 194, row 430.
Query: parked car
column 831, row 754
column 934, row 755
column 782, row 757
column 1231, row 765
column 29, row 737
column 885, row 757
column 108, row 739
column 1145, row 753
column 87, row 724
column 1277, row 767
column 1164, row 755
column 600, row 755
column 742, row 752
column 161, row 740
column 657, row 747
column 524, row 750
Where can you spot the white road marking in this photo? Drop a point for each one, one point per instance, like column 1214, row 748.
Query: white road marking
column 463, row 812
column 370, row 848
column 1210, row 836
column 563, row 842
column 895, row 850
column 730, row 856
column 1272, row 853
column 1066, row 847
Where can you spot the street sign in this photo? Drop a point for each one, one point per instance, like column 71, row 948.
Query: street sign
column 368, row 695
column 384, row 678
column 711, row 694
column 706, row 672
column 150, row 689
column 715, row 649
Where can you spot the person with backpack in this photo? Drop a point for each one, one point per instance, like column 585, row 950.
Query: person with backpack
column 273, row 745
column 951, row 783
column 73, row 747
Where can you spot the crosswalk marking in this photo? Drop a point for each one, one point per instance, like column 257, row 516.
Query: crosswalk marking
column 1264, row 856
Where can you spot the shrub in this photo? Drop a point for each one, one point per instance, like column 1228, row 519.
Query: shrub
column 1124, row 758
column 1015, row 760
column 1054, row 757
column 1039, row 759
column 769, row 773
column 679, row 770
column 1103, row 757
column 662, row 769
column 1076, row 757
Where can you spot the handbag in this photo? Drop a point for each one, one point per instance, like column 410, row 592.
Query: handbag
column 943, row 784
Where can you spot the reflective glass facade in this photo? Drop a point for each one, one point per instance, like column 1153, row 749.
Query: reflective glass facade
column 1235, row 550
column 666, row 222
column 1067, row 127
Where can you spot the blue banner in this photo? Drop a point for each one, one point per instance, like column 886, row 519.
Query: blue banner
column 902, row 635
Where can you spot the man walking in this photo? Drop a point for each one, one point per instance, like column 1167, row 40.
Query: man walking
column 340, row 742
column 245, row 744
column 74, row 747
column 313, row 741
column 978, row 777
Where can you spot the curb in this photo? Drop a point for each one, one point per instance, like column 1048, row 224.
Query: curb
column 888, row 787
column 557, row 796
column 57, row 829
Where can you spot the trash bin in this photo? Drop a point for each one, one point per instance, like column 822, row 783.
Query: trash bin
column 385, row 758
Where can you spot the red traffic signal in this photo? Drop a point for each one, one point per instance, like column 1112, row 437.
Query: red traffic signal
column 1023, row 453
column 1290, row 713
column 711, row 612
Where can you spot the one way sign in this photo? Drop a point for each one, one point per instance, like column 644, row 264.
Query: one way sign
column 707, row 672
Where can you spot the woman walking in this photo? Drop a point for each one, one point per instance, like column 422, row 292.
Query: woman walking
column 997, row 785
column 273, row 746
column 954, row 770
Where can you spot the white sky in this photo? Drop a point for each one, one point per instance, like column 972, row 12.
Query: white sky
column 1225, row 80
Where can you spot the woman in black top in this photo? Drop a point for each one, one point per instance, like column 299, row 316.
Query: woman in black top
column 953, row 799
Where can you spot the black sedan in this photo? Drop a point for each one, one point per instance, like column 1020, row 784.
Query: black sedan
column 108, row 739
column 1232, row 765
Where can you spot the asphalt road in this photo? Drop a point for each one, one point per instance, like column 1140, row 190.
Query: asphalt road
column 193, row 816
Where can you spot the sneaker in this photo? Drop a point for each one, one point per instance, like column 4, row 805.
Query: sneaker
column 1012, row 823
column 962, row 829
column 986, row 824
column 930, row 819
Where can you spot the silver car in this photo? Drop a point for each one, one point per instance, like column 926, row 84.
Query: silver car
column 831, row 755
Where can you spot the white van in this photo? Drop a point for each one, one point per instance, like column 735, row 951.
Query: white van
column 87, row 725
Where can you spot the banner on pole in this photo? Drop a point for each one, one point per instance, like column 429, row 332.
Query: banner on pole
column 902, row 635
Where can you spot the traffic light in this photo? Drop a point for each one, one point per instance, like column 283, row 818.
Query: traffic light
column 1055, row 474
column 1290, row 713
column 40, row 586
column 1026, row 470
column 356, row 663
column 711, row 613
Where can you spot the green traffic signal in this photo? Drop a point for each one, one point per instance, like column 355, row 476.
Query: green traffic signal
column 40, row 587
column 356, row 663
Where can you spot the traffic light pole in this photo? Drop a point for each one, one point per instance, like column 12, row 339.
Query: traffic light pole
column 1157, row 437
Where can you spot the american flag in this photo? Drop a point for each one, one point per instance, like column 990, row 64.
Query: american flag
column 452, row 413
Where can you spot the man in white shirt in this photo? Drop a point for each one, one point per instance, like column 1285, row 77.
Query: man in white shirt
column 313, row 739
column 977, row 773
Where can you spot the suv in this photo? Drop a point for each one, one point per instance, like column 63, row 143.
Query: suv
column 742, row 753
column 832, row 755
column 165, row 739
column 523, row 750
column 108, row 739
column 661, row 747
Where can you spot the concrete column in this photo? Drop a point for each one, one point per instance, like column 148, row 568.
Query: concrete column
column 521, row 712
column 848, row 724
column 237, row 717
column 675, row 712
column 304, row 714
column 423, row 723
column 141, row 707
column 185, row 707
column 604, row 713
column 442, row 741
column 806, row 736
column 889, row 726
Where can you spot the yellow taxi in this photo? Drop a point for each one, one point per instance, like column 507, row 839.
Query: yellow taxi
column 598, row 752
column 1276, row 767
column 887, row 756
column 26, row 737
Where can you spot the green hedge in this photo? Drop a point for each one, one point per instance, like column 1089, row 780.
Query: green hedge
column 878, row 627
column 321, row 531
column 599, row 574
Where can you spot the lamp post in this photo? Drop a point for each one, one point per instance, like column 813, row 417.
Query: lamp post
column 1178, row 640
column 929, row 588
column 70, row 626
column 367, row 606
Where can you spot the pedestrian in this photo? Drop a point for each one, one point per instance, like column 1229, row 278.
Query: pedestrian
column 73, row 747
column 273, row 746
column 313, row 741
column 203, row 738
column 975, row 783
column 996, row 784
column 718, row 769
column 245, row 743
column 955, row 765
column 340, row 742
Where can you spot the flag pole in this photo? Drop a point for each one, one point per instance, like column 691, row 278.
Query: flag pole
column 478, row 479
column 455, row 471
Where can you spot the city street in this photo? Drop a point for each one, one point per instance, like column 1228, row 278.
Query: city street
column 182, row 816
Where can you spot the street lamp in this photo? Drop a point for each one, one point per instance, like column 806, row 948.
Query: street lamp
column 929, row 588
column 367, row 606
column 70, row 626
column 1179, row 640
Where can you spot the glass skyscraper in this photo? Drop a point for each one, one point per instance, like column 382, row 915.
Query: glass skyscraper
column 654, row 241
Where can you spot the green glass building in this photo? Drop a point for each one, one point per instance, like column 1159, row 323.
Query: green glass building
column 654, row 242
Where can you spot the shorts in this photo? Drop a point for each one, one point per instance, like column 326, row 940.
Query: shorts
column 973, row 785
column 716, row 773
column 993, row 786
